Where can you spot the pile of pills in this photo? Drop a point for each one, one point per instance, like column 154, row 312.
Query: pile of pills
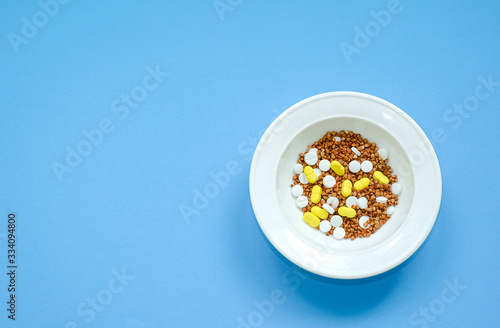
column 344, row 186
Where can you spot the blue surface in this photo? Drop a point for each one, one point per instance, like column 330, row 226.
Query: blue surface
column 116, row 239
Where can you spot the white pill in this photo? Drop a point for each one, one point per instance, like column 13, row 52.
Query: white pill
column 339, row 233
column 396, row 188
column 356, row 151
column 303, row 179
column 362, row 221
column 325, row 226
column 324, row 165
column 333, row 202
column 317, row 172
column 311, row 158
column 297, row 190
column 381, row 199
column 329, row 181
column 336, row 221
column 301, row 201
column 314, row 150
column 383, row 153
column 354, row 166
column 351, row 201
column 328, row 208
column 390, row 210
column 298, row 169
column 362, row 203
column 366, row 166
column 337, row 139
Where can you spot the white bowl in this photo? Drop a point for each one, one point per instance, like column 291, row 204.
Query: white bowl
column 411, row 156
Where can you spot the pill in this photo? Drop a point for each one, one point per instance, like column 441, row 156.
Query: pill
column 339, row 233
column 297, row 190
column 383, row 153
column 347, row 211
column 316, row 194
column 336, row 221
column 310, row 175
column 319, row 212
column 317, row 172
column 325, row 226
column 298, row 169
column 351, row 201
column 396, row 188
column 311, row 219
column 390, row 210
column 333, row 202
column 329, row 181
column 366, row 166
column 314, row 150
column 337, row 168
column 362, row 203
column 362, row 221
column 324, row 165
column 354, row 166
column 381, row 199
column 361, row 183
column 356, row 151
column 380, row 177
column 346, row 188
column 301, row 201
column 328, row 208
column 303, row 179
column 311, row 158
column 337, row 139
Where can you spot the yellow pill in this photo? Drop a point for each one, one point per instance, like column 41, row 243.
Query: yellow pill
column 311, row 219
column 362, row 183
column 319, row 212
column 316, row 194
column 380, row 177
column 346, row 191
column 310, row 175
column 337, row 168
column 347, row 211
column 347, row 183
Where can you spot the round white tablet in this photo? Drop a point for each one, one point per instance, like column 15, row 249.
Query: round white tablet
column 381, row 199
column 332, row 201
column 356, row 151
column 336, row 221
column 351, row 201
column 303, row 179
column 297, row 190
column 354, row 166
column 383, row 153
column 314, row 150
column 366, row 166
column 317, row 172
column 329, row 181
column 301, row 201
column 396, row 188
column 328, row 208
column 390, row 210
column 362, row 221
column 362, row 203
column 325, row 226
column 311, row 158
column 324, row 165
column 339, row 233
column 298, row 169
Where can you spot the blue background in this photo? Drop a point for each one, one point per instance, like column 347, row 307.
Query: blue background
column 120, row 211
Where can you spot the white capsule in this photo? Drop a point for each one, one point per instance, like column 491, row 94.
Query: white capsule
column 362, row 203
column 339, row 233
column 298, row 169
column 324, row 165
column 333, row 202
column 390, row 210
column 362, row 221
column 351, row 201
column 297, row 190
column 317, row 172
column 356, row 151
column 366, row 166
column 328, row 208
column 381, row 199
column 354, row 166
column 325, row 226
column 337, row 139
column 301, row 201
column 329, row 181
column 336, row 221
column 383, row 153
column 396, row 188
column 311, row 158
column 303, row 179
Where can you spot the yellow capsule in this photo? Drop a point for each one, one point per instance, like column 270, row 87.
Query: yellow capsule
column 347, row 212
column 319, row 212
column 316, row 194
column 347, row 183
column 362, row 183
column 311, row 219
column 346, row 188
column 310, row 175
column 337, row 168
column 380, row 177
